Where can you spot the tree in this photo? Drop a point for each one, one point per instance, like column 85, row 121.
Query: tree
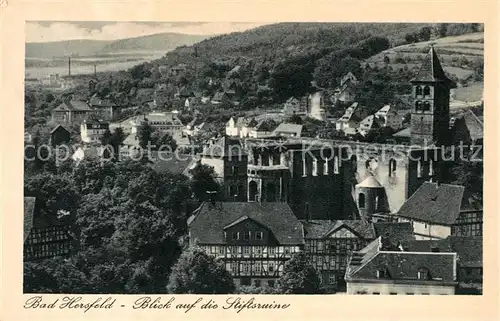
column 334, row 66
column 106, row 138
column 441, row 29
column 144, row 133
column 203, row 181
column 163, row 140
column 299, row 277
column 425, row 34
column 295, row 119
column 292, row 77
column 410, row 38
column 196, row 272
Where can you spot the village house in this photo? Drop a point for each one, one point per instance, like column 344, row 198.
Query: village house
column 44, row 236
column 390, row 117
column 92, row 130
column 381, row 269
column 293, row 106
column 95, row 152
column 264, row 128
column 240, row 127
column 219, row 98
column 254, row 240
column 369, row 123
column 195, row 127
column 288, row 130
column 166, row 122
column 468, row 128
column 59, row 136
column 350, row 119
column 328, row 244
column 104, row 108
column 72, row 111
column 437, row 211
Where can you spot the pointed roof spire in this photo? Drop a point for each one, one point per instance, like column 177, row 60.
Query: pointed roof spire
column 431, row 70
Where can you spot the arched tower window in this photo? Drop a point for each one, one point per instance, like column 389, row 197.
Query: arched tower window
column 418, row 105
column 419, row 168
column 427, row 91
column 252, row 188
column 392, row 167
column 431, row 167
column 418, row 91
column 335, row 164
column 325, row 166
column 361, row 200
column 427, row 106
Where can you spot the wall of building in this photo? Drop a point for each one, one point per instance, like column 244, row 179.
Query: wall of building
column 399, row 289
column 425, row 231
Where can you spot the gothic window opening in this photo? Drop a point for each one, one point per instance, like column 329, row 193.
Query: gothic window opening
column 427, row 106
column 252, row 187
column 315, row 168
column 392, row 167
column 431, row 167
column 376, row 202
column 325, row 167
column 304, row 167
column 361, row 200
column 419, row 168
column 336, row 165
column 427, row 91
column 233, row 191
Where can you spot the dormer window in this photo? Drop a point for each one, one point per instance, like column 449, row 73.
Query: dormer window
column 423, row 274
column 382, row 273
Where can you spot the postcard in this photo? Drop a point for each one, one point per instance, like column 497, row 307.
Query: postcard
column 242, row 160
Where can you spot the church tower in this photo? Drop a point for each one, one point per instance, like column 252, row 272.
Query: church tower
column 430, row 115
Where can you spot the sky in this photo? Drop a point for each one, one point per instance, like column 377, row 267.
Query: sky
column 45, row 31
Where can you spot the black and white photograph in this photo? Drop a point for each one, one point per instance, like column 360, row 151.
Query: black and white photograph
column 200, row 157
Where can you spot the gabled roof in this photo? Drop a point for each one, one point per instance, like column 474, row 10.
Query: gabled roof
column 76, row 105
column 317, row 229
column 431, row 70
column 474, row 125
column 29, row 213
column 403, row 133
column 289, row 128
column 265, row 125
column 58, row 127
column 207, row 225
column 401, row 265
column 433, row 203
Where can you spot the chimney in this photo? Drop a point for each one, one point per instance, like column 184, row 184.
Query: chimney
column 69, row 66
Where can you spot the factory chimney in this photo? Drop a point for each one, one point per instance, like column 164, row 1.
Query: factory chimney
column 69, row 66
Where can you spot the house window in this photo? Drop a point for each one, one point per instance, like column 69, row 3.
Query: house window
column 257, row 268
column 233, row 191
column 427, row 91
column 236, row 235
column 272, row 250
column 271, row 267
column 336, row 165
column 427, row 106
column 332, row 279
column 361, row 200
column 246, row 250
column 419, row 168
column 258, row 235
column 246, row 235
